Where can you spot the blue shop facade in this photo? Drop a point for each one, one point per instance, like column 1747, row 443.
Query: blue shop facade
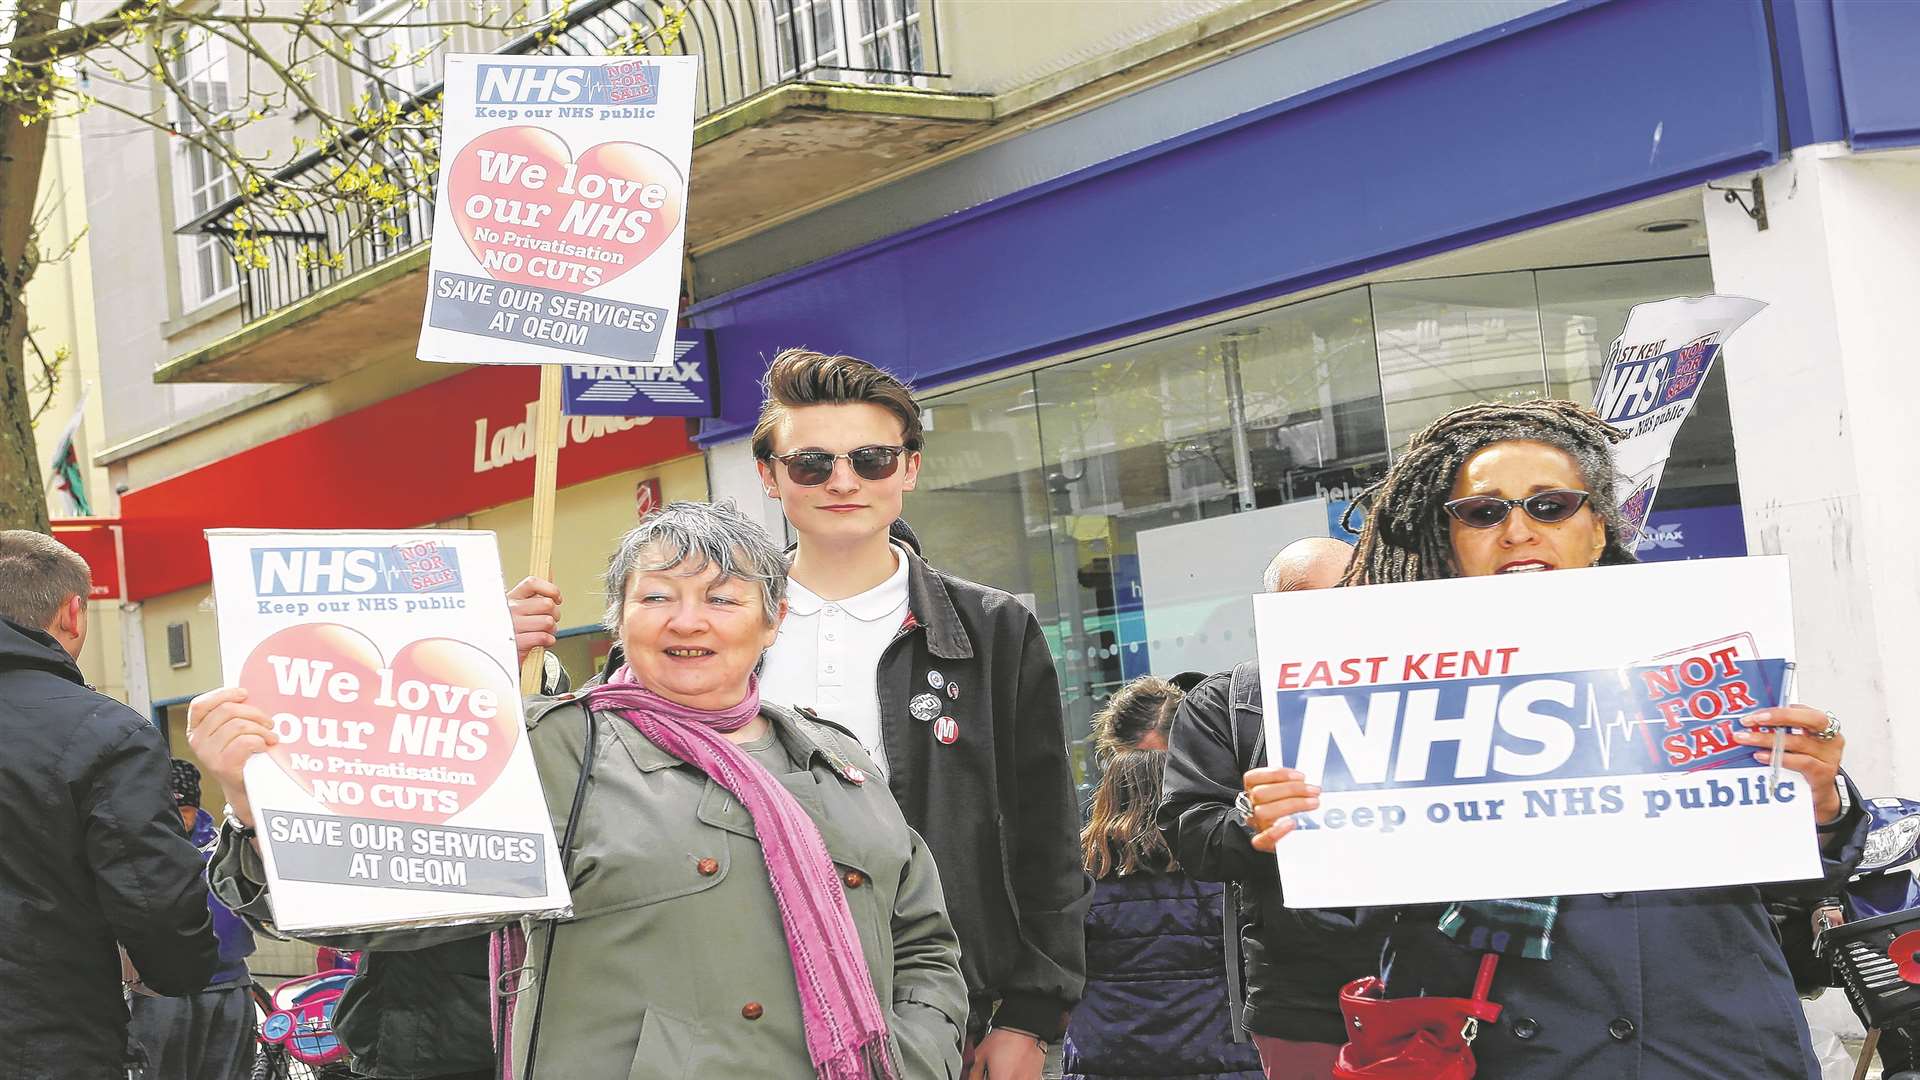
column 1161, row 338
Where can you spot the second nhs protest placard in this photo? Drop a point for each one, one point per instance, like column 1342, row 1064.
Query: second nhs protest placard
column 402, row 790
column 1528, row 735
column 561, row 210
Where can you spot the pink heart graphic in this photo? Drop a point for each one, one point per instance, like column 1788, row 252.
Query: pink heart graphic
column 534, row 215
column 420, row 740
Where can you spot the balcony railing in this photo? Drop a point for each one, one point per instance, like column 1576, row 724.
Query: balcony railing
column 745, row 47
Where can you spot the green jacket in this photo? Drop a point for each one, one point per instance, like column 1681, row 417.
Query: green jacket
column 667, row 971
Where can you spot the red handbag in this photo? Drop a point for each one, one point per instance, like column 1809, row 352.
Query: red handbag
column 1420, row 1038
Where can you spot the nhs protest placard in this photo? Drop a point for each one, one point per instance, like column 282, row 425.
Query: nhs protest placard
column 402, row 790
column 1654, row 373
column 561, row 210
column 1533, row 734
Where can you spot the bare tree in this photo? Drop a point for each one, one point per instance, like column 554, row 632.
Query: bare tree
column 382, row 147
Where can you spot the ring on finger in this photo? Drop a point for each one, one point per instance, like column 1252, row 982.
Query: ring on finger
column 1830, row 732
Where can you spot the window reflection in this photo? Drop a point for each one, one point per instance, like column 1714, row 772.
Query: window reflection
column 1449, row 342
column 1134, row 497
column 979, row 507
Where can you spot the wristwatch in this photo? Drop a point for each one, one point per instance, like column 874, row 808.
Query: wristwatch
column 1846, row 803
column 240, row 831
column 1243, row 811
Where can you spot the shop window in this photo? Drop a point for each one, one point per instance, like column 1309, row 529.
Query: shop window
column 1134, row 497
column 982, row 505
column 1582, row 309
column 1449, row 342
column 981, row 480
column 1188, row 462
column 1112, row 472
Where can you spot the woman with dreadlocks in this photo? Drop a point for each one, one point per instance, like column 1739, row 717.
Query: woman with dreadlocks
column 1650, row 986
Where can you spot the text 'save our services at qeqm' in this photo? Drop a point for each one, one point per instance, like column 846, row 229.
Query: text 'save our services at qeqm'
column 401, row 790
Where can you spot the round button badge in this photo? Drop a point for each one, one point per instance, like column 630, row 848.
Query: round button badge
column 924, row 707
column 946, row 730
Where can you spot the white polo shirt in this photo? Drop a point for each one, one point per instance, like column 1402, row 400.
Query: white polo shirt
column 827, row 657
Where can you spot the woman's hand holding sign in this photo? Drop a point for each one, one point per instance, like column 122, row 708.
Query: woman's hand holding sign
column 1275, row 796
column 1812, row 748
column 223, row 732
column 535, row 607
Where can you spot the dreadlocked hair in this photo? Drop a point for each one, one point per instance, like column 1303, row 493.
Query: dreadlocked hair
column 1405, row 536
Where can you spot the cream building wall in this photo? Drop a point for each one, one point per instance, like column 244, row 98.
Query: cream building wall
column 60, row 312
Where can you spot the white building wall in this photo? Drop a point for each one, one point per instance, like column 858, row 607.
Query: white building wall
column 1822, row 386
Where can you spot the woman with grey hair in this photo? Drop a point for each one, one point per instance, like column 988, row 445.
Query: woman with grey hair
column 747, row 898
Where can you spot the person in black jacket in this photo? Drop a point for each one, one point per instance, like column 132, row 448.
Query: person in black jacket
column 949, row 685
column 1296, row 960
column 93, row 852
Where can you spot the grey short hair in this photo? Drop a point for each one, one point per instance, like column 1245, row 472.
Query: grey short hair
column 38, row 574
column 712, row 534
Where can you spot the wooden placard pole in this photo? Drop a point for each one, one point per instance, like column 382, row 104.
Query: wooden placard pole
column 546, row 469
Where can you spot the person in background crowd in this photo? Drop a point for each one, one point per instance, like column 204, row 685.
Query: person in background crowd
column 91, row 850
column 1157, row 1002
column 1296, row 960
column 208, row 1035
column 1669, row 985
column 747, row 900
column 948, row 684
column 1315, row 562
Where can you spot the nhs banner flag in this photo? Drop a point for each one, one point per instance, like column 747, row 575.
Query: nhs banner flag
column 683, row 387
column 1654, row 373
column 1534, row 734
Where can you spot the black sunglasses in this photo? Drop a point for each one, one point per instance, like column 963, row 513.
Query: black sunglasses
column 1547, row 507
column 811, row 468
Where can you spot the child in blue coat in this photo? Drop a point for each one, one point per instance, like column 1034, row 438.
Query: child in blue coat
column 1156, row 1002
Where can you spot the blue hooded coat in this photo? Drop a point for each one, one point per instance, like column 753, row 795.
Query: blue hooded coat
column 1156, row 1003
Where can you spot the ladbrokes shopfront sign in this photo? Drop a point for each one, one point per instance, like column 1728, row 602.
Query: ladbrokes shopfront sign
column 442, row 451
column 498, row 447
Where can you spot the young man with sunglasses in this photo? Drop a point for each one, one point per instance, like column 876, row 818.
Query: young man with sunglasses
column 949, row 685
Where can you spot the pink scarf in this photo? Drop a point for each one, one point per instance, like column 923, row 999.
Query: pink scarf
column 845, row 1026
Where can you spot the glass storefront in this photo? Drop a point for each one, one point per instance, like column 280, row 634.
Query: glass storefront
column 1134, row 497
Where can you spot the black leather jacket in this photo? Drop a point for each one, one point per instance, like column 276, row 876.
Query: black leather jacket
column 996, row 805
